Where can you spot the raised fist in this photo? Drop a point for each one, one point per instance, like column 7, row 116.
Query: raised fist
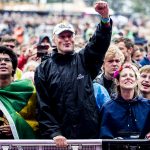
column 102, row 8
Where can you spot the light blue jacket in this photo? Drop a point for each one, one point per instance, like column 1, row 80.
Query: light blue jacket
column 101, row 94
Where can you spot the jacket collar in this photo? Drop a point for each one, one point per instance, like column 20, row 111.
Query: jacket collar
column 134, row 100
column 62, row 57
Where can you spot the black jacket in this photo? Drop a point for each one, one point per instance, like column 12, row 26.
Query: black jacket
column 66, row 102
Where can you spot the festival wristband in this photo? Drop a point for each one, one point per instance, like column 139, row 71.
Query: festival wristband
column 105, row 20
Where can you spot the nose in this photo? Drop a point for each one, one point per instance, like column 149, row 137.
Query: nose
column 147, row 78
column 2, row 61
column 115, row 63
column 66, row 37
column 127, row 76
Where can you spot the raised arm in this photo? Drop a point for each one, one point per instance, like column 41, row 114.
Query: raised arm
column 95, row 50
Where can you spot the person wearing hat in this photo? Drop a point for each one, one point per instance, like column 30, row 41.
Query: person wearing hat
column 44, row 46
column 66, row 103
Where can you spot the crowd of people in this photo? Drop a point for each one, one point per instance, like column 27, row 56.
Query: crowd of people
column 80, row 81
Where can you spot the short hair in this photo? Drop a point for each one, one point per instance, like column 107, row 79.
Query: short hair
column 12, row 55
column 113, row 51
column 145, row 68
column 136, row 48
column 8, row 39
column 128, row 42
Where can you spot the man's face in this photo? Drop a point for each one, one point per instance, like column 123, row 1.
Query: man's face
column 45, row 43
column 111, row 65
column 64, row 42
column 137, row 55
column 6, row 67
column 123, row 48
column 144, row 82
column 10, row 45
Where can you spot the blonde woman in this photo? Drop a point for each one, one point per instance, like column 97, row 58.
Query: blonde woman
column 128, row 115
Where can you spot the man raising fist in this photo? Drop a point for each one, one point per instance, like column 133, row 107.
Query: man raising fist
column 64, row 83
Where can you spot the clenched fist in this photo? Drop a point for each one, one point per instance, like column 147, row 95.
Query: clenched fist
column 102, row 8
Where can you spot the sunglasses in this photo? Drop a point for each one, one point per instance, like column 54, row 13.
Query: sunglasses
column 5, row 59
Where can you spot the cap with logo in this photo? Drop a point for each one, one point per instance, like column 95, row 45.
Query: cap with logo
column 61, row 27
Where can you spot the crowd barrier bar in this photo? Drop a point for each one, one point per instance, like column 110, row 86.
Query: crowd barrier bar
column 93, row 144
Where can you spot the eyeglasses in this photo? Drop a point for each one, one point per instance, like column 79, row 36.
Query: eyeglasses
column 5, row 59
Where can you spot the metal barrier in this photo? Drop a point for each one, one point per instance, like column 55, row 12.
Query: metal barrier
column 95, row 144
column 49, row 145
column 136, row 144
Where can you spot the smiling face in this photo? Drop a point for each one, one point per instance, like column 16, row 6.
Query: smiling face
column 6, row 67
column 144, row 82
column 64, row 42
column 128, row 79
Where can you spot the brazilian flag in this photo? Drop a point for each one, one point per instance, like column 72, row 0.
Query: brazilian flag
column 18, row 103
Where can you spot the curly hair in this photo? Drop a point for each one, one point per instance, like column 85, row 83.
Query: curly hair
column 12, row 55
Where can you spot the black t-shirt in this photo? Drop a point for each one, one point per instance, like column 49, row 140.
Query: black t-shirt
column 108, row 85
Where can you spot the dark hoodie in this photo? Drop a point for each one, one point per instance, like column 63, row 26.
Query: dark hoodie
column 41, row 39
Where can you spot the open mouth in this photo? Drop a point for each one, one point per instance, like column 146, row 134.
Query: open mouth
column 67, row 44
column 128, row 82
column 146, row 85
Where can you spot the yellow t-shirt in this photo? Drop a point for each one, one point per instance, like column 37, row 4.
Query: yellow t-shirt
column 18, row 74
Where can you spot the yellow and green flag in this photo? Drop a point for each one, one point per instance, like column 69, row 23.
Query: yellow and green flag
column 18, row 103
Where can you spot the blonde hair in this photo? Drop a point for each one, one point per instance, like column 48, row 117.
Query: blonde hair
column 113, row 51
column 136, row 71
column 145, row 68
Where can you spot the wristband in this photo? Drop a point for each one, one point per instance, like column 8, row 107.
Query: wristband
column 105, row 20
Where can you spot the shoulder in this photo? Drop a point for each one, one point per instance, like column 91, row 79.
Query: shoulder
column 99, row 78
column 108, row 105
column 144, row 99
column 144, row 60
